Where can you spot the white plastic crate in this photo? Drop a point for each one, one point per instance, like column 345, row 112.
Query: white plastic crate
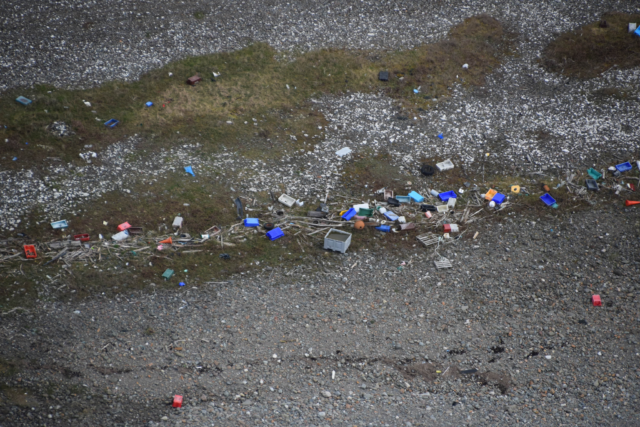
column 337, row 240
column 286, row 200
column 445, row 166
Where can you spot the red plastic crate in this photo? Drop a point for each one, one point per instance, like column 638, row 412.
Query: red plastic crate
column 124, row 226
column 595, row 299
column 81, row 237
column 177, row 401
column 30, row 251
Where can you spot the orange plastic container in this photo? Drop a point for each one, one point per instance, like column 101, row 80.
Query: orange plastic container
column 30, row 251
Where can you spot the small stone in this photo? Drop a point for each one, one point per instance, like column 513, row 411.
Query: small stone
column 326, row 394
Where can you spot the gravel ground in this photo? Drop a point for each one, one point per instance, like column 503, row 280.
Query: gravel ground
column 359, row 339
column 263, row 349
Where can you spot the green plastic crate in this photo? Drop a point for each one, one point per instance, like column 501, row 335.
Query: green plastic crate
column 365, row 212
column 167, row 274
column 594, row 174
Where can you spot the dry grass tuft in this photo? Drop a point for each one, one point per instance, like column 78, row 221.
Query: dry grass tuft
column 592, row 49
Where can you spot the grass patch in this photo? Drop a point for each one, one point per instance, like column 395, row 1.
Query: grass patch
column 592, row 49
column 269, row 91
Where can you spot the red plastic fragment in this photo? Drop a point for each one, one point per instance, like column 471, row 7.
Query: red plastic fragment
column 177, row 401
column 81, row 237
column 30, row 251
column 595, row 299
column 447, row 228
column 124, row 226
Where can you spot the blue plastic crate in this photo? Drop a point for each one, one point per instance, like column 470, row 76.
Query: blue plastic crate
column 275, row 234
column 403, row 199
column 24, row 101
column 391, row 216
column 416, row 197
column 59, row 224
column 251, row 222
column 499, row 198
column 447, row 195
column 111, row 123
column 623, row 167
column 384, row 228
column 547, row 199
column 149, row 104
column 349, row 214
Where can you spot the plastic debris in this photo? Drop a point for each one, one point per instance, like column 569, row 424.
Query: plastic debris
column 149, row 104
column 189, row 170
column 595, row 300
column 631, row 203
column 393, row 202
column 124, row 226
column 391, row 216
column 383, row 76
column 177, row 222
column 193, row 80
column 623, row 167
column 465, row 66
column 441, row 135
column 167, row 274
column 81, row 238
column 428, row 239
column 239, row 208
column 451, row 203
column 499, row 198
column 447, row 195
column 548, row 200
column 337, row 240
column 177, row 401
column 632, row 27
column 416, row 197
column 349, row 214
column 384, row 228
column 120, row 236
column 490, row 194
column 24, row 101
column 181, row 284
column 591, row 184
column 286, row 200
column 445, row 166
column 59, row 224
column 403, row 199
column 594, row 174
column 225, row 256
column 275, row 234
column 251, row 222
column 168, row 241
column 111, row 123
column 443, row 263
column 515, row 189
column 450, row 228
column 30, row 251
column 442, row 208
column 343, row 151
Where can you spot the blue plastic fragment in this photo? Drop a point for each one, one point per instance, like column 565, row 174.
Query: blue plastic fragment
column 447, row 195
column 384, row 228
column 623, row 167
column 403, row 199
column 349, row 214
column 111, row 123
column 637, row 32
column 416, row 91
column 440, row 135
column 274, row 234
column 498, row 198
column 24, row 101
column 181, row 283
column 14, row 159
column 390, row 216
column 188, row 170
column 251, row 222
column 547, row 199
column 416, row 197
column 149, row 104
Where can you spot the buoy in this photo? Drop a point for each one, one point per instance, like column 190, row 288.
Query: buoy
column 359, row 225
column 631, row 203
column 168, row 241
